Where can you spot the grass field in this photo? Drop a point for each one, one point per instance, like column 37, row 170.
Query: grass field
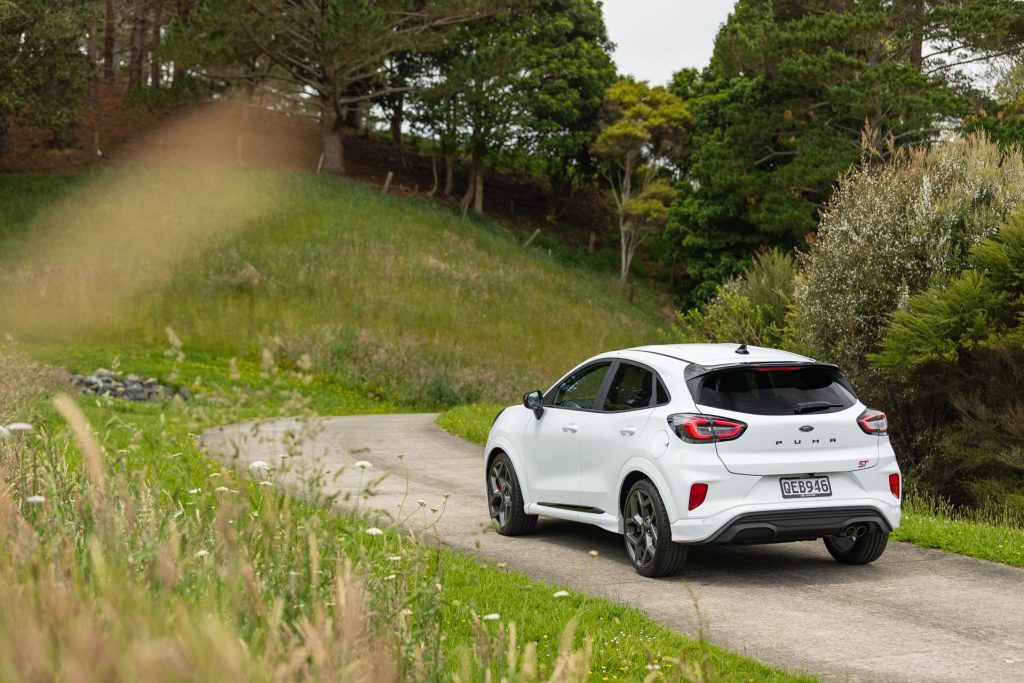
column 126, row 551
column 994, row 537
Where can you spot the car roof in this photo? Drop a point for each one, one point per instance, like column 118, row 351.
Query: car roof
column 715, row 354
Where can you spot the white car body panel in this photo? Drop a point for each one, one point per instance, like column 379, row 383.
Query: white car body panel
column 587, row 468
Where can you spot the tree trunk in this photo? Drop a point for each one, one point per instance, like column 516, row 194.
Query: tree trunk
column 330, row 140
column 626, row 251
column 396, row 121
column 5, row 135
column 475, row 187
column 108, row 41
column 92, row 48
column 449, row 174
column 137, row 55
column 478, row 195
column 467, row 198
column 433, row 166
column 184, row 8
column 154, row 47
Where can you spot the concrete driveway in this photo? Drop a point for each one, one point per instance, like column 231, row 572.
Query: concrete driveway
column 915, row 614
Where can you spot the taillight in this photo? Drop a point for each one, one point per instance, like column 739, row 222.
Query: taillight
column 698, row 492
column 693, row 428
column 894, row 485
column 873, row 422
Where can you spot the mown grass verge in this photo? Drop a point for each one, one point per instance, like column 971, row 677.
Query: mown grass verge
column 994, row 537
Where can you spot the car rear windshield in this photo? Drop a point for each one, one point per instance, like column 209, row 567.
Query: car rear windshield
column 774, row 390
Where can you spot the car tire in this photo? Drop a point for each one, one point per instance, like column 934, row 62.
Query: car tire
column 647, row 534
column 505, row 499
column 860, row 550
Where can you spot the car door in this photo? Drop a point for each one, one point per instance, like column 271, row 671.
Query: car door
column 553, row 453
column 615, row 434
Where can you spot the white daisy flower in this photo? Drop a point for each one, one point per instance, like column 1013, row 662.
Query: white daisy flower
column 374, row 531
column 202, row 553
column 494, row 616
column 364, row 465
column 258, row 465
column 561, row 594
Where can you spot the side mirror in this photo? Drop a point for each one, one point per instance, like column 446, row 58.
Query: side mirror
column 534, row 401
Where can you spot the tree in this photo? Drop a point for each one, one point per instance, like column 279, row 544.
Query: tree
column 642, row 129
column 966, row 434
column 529, row 83
column 891, row 231
column 44, row 66
column 569, row 68
column 795, row 91
column 334, row 49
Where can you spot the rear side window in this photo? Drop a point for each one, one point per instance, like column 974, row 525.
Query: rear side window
column 775, row 390
column 662, row 394
column 631, row 388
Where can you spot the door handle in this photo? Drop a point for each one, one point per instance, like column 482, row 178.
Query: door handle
column 627, row 431
column 570, row 428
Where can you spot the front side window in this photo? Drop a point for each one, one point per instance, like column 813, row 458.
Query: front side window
column 580, row 389
column 631, row 388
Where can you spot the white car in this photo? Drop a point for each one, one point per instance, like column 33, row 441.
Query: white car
column 689, row 444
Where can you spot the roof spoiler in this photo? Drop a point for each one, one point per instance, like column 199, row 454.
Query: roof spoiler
column 694, row 370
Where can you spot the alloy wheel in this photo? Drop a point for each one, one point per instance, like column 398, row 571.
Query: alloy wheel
column 641, row 527
column 499, row 493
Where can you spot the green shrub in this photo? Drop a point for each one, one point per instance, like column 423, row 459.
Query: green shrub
column 750, row 308
column 955, row 359
column 892, row 231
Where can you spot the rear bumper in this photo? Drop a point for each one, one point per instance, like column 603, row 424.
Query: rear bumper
column 785, row 522
column 797, row 525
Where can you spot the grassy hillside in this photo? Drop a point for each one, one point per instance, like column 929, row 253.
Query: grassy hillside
column 397, row 296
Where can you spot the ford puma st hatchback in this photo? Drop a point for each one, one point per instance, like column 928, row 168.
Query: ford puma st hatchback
column 689, row 444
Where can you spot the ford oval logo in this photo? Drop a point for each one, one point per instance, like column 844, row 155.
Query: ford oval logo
column 807, row 428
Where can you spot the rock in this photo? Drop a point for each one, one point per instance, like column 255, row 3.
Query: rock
column 103, row 382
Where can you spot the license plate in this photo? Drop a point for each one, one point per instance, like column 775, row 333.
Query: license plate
column 805, row 487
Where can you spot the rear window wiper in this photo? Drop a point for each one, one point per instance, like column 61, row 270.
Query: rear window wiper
column 812, row 406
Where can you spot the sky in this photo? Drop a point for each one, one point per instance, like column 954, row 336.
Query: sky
column 656, row 38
